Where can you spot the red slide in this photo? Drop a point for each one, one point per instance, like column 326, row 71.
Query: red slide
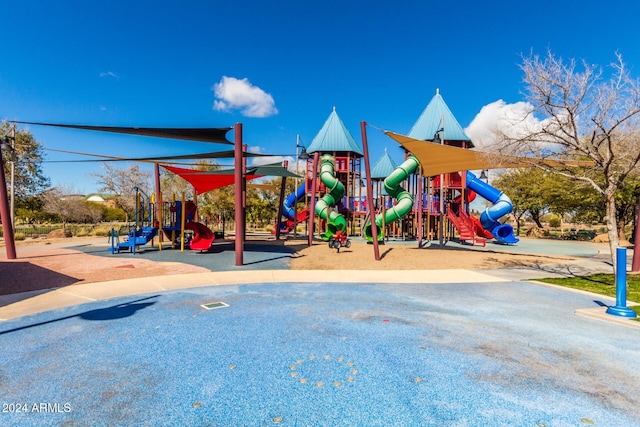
column 480, row 231
column 202, row 238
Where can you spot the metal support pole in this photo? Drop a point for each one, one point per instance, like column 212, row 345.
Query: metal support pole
column 156, row 169
column 314, row 188
column 7, row 226
column 13, row 176
column 621, row 308
column 370, row 202
column 283, row 188
column 295, row 192
column 239, row 209
column 419, row 197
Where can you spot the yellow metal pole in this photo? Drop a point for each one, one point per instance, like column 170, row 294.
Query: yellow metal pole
column 159, row 219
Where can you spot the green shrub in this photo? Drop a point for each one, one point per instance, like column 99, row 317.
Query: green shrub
column 19, row 236
column 554, row 222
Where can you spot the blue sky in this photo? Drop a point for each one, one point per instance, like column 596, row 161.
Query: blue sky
column 157, row 64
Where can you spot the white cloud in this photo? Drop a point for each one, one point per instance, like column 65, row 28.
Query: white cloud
column 109, row 74
column 235, row 94
column 258, row 161
column 513, row 120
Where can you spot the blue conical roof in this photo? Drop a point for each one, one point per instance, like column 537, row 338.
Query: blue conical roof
column 438, row 116
column 383, row 167
column 334, row 136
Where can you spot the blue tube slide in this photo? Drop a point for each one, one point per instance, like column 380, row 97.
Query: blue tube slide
column 288, row 207
column 502, row 233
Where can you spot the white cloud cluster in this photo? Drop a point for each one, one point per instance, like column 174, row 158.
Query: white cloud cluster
column 513, row 120
column 258, row 161
column 109, row 74
column 236, row 94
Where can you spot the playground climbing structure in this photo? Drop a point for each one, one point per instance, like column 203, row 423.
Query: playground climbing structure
column 335, row 173
column 440, row 209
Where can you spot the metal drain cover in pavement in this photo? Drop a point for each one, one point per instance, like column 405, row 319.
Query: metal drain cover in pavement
column 214, row 305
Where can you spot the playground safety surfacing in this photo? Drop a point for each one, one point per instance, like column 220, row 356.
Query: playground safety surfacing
column 449, row 354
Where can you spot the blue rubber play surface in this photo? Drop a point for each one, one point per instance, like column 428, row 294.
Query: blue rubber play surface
column 488, row 354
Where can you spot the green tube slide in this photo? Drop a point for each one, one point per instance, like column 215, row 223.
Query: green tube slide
column 335, row 221
column 404, row 198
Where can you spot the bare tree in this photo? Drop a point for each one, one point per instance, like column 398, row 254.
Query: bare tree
column 66, row 203
column 122, row 182
column 581, row 114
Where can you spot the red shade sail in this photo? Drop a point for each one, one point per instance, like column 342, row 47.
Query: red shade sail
column 204, row 181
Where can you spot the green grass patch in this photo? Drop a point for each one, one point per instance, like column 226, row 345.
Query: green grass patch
column 603, row 284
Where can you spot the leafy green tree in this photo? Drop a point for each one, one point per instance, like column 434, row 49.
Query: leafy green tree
column 30, row 210
column 262, row 202
column 218, row 205
column 524, row 188
column 27, row 159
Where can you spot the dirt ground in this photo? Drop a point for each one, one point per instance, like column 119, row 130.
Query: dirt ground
column 42, row 264
column 360, row 256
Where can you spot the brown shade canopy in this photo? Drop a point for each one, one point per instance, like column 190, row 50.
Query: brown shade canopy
column 436, row 159
column 213, row 135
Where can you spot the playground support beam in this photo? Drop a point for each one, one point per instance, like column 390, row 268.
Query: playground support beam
column 370, row 201
column 283, row 187
column 419, row 197
column 7, row 227
column 239, row 186
column 156, row 170
column 314, row 188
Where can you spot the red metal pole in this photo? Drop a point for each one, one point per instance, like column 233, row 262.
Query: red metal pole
column 238, row 183
column 7, row 227
column 158, row 215
column 196, row 218
column 314, row 188
column 370, row 202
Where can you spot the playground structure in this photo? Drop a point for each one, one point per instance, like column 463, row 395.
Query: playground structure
column 336, row 222
column 175, row 229
column 143, row 228
column 347, row 162
column 404, row 205
column 289, row 210
column 334, row 175
column 410, row 205
column 175, row 221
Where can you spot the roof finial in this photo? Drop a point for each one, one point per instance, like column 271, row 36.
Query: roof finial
column 437, row 91
column 385, row 150
column 334, row 108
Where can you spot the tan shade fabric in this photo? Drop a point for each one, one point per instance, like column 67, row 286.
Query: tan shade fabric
column 436, row 159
